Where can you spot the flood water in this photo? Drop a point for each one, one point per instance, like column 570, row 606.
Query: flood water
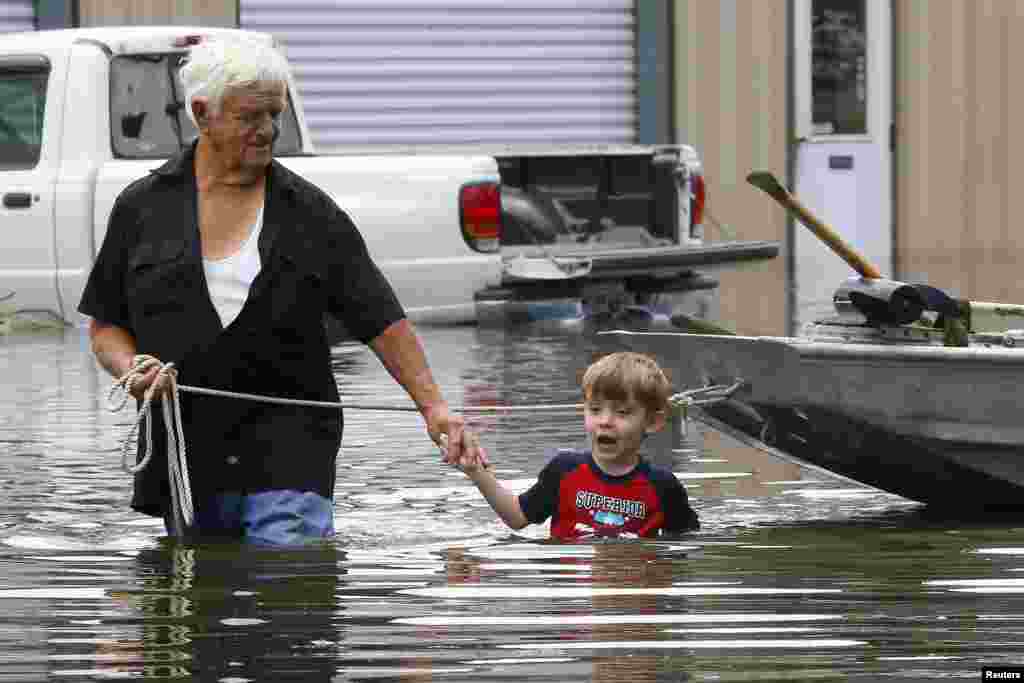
column 795, row 575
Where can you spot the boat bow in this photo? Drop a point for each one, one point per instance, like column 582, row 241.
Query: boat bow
column 926, row 421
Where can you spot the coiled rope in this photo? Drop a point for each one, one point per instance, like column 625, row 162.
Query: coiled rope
column 183, row 512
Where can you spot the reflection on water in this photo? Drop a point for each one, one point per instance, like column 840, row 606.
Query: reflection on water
column 794, row 576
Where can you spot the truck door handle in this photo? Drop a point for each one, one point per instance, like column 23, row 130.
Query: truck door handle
column 17, row 200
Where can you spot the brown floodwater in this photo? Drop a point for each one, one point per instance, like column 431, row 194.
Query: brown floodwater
column 795, row 574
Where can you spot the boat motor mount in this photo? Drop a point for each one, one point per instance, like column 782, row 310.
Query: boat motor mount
column 890, row 302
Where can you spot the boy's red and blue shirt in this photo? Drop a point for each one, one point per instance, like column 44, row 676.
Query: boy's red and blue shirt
column 583, row 501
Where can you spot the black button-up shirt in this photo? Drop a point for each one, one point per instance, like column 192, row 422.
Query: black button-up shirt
column 148, row 279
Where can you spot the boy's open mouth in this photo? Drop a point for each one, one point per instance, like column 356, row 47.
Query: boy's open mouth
column 606, row 440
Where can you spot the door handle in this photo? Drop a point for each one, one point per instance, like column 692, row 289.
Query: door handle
column 17, row 200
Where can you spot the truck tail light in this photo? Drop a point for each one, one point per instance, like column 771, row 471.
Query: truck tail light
column 698, row 198
column 480, row 214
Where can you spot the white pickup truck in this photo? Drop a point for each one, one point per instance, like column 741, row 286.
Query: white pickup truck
column 462, row 237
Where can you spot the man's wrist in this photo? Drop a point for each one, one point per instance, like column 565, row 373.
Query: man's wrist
column 432, row 408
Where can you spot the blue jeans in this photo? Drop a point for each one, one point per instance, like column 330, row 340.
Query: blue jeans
column 269, row 517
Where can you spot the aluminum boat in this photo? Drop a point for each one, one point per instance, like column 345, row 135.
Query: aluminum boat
column 894, row 406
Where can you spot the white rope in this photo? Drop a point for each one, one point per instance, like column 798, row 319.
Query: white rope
column 372, row 406
column 177, row 464
column 704, row 395
column 701, row 396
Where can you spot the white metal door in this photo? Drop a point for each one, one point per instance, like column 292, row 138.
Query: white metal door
column 395, row 73
column 28, row 269
column 843, row 112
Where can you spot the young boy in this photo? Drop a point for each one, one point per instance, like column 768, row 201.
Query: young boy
column 608, row 490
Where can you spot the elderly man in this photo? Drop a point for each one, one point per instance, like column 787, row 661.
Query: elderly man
column 225, row 263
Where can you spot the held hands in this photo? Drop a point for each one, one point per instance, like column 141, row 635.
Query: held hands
column 459, row 447
column 473, row 459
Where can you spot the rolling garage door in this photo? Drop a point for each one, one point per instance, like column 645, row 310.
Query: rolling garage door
column 17, row 15
column 388, row 73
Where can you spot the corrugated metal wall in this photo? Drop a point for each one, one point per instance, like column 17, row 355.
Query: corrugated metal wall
column 731, row 104
column 450, row 72
column 960, row 146
column 17, row 15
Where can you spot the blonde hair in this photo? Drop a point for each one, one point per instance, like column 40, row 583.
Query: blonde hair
column 217, row 64
column 626, row 374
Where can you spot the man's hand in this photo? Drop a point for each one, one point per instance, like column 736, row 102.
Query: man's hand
column 474, row 458
column 458, row 445
column 447, row 431
column 143, row 382
column 114, row 348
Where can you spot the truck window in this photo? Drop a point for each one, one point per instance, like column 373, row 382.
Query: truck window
column 147, row 109
column 22, row 101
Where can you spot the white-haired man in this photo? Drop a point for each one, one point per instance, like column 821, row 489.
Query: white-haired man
column 225, row 263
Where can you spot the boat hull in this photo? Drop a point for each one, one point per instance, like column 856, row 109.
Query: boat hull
column 935, row 424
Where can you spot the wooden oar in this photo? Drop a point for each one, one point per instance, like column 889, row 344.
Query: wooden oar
column 955, row 329
column 763, row 180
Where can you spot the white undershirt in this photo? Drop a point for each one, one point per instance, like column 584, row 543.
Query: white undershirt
column 229, row 278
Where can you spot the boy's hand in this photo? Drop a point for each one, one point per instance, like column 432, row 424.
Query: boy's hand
column 475, row 463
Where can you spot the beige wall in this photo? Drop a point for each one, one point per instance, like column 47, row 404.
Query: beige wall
column 731, row 104
column 151, row 12
column 960, row 145
column 959, row 105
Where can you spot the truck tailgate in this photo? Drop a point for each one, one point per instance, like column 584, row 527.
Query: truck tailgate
column 666, row 261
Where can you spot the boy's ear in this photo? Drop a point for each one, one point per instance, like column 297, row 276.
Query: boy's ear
column 657, row 422
column 200, row 110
